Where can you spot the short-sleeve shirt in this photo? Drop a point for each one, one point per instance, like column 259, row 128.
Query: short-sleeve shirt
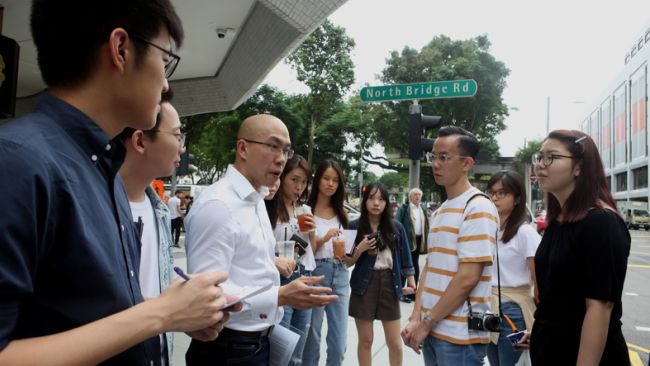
column 578, row 261
column 460, row 232
column 513, row 257
column 174, row 203
column 68, row 245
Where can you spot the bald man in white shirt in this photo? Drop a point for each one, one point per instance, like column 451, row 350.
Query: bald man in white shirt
column 228, row 229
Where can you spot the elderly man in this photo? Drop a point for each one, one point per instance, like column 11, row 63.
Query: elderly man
column 414, row 219
column 229, row 229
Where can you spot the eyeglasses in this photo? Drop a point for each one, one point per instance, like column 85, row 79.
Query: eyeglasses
column 547, row 159
column 287, row 151
column 499, row 194
column 442, row 158
column 170, row 66
column 179, row 136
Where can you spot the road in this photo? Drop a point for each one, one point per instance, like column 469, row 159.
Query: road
column 636, row 298
column 636, row 313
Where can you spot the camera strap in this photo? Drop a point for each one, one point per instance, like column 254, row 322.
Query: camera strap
column 496, row 237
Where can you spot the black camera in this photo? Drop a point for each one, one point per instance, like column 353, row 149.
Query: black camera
column 484, row 322
column 379, row 244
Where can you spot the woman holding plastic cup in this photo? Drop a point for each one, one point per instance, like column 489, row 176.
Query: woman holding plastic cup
column 283, row 214
column 326, row 201
column 382, row 256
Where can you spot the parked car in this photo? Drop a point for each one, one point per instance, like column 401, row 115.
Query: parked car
column 540, row 221
column 353, row 213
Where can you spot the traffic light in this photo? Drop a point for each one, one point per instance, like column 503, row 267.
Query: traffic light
column 184, row 168
column 419, row 124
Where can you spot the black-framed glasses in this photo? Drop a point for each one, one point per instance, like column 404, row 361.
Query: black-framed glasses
column 287, row 151
column 442, row 158
column 547, row 159
column 500, row 194
column 179, row 136
column 173, row 61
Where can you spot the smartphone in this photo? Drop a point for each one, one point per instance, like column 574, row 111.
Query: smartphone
column 301, row 244
column 245, row 296
column 514, row 338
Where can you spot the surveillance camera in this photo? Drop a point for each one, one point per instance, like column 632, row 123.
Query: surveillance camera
column 221, row 32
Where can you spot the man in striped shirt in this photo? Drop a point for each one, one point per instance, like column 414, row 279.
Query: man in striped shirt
column 460, row 249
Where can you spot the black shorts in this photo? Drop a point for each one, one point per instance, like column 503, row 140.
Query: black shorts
column 379, row 301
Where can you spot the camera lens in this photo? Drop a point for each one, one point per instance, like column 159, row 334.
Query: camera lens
column 492, row 323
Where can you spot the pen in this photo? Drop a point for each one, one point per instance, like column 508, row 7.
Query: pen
column 181, row 273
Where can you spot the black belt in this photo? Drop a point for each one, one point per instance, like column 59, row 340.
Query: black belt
column 258, row 334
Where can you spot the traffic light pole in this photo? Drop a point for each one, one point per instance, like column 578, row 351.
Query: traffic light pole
column 414, row 165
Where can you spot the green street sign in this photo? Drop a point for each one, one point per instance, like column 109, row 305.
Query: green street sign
column 430, row 90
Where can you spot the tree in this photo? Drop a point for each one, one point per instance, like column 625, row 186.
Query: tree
column 446, row 59
column 211, row 137
column 394, row 180
column 323, row 63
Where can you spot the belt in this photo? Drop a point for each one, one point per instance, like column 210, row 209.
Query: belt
column 258, row 334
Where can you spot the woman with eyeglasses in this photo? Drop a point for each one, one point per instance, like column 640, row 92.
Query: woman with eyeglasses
column 326, row 201
column 292, row 190
column 517, row 243
column 581, row 261
column 376, row 283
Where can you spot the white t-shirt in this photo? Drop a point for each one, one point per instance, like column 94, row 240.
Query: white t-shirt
column 149, row 275
column 284, row 231
column 174, row 203
column 512, row 257
column 322, row 227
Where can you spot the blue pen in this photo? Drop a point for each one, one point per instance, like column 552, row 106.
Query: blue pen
column 181, row 273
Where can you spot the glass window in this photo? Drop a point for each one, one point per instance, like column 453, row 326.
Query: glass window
column 621, row 182
column 640, row 177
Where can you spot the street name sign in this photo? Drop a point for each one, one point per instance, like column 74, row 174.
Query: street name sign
column 429, row 90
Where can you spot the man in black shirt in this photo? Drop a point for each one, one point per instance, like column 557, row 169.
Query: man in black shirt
column 69, row 291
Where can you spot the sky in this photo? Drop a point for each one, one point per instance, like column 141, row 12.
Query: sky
column 566, row 51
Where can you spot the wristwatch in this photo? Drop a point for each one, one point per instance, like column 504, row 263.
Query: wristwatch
column 429, row 320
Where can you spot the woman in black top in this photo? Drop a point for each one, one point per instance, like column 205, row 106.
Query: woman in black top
column 581, row 261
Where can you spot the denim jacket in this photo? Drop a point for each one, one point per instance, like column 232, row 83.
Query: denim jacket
column 165, row 255
column 402, row 263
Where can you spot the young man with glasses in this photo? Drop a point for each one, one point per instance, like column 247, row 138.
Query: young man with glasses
column 69, row 248
column 228, row 229
column 460, row 251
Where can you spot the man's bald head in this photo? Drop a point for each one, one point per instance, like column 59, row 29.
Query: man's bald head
column 260, row 126
column 263, row 147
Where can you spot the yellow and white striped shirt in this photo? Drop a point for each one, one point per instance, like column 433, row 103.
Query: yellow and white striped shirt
column 460, row 234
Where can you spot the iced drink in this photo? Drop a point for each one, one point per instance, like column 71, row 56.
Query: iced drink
column 339, row 247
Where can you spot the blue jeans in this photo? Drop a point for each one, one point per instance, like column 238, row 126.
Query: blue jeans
column 338, row 279
column 299, row 319
column 503, row 353
column 442, row 353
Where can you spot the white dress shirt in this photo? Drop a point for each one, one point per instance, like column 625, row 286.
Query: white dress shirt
column 228, row 229
column 417, row 219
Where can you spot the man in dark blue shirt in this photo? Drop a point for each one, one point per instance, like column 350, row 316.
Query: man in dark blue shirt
column 69, row 291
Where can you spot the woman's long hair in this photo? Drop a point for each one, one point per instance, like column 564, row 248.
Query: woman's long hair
column 512, row 183
column 339, row 195
column 591, row 189
column 387, row 230
column 276, row 209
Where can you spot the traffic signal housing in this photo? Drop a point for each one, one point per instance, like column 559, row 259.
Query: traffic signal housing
column 185, row 168
column 418, row 125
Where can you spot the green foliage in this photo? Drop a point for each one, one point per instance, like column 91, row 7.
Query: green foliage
column 394, row 180
column 524, row 154
column 211, row 137
column 323, row 63
column 446, row 59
